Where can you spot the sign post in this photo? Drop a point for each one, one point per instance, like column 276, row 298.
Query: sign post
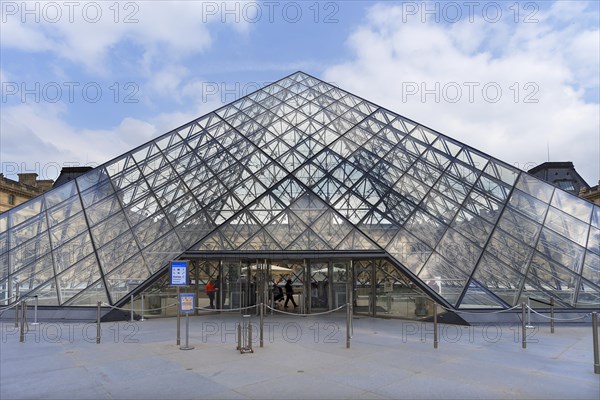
column 179, row 278
column 186, row 305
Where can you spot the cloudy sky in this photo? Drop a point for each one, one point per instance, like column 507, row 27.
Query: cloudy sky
column 83, row 82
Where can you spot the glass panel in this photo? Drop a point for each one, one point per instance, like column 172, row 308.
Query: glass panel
column 77, row 278
column 483, row 206
column 589, row 296
column 474, row 228
column 35, row 274
column 425, row 227
column 528, row 205
column 477, row 297
column 64, row 211
column 567, row 226
column 519, row 226
column 591, row 268
column 22, row 213
column 28, row 230
column 109, row 229
column 502, row 172
column 60, row 194
column 561, row 250
column 512, row 252
column 573, row 205
column 459, row 251
column 29, row 251
column 503, row 281
column 593, row 243
column 535, row 187
column 90, row 297
column 127, row 277
column 443, row 277
column 117, row 251
column 553, row 278
column 72, row 252
column 46, row 294
column 439, row 206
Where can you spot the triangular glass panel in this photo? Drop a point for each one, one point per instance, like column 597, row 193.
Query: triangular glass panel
column 477, row 297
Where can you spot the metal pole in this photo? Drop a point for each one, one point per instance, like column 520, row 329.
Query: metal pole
column 239, row 333
column 17, row 315
column 187, row 333
column 17, row 306
column 142, row 319
column 595, row 340
column 523, row 328
column 131, row 302
column 35, row 307
column 262, row 323
column 178, row 318
column 528, row 312
column 552, row 315
column 98, row 331
column 435, row 326
column 250, row 337
column 22, row 333
column 348, row 319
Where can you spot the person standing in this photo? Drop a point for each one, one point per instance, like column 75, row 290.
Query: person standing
column 210, row 291
column 289, row 293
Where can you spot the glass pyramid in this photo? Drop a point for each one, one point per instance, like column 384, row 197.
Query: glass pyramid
column 301, row 165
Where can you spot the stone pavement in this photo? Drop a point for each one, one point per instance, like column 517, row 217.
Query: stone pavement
column 301, row 358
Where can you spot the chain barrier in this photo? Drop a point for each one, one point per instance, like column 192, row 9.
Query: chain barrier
column 129, row 309
column 226, row 309
column 305, row 315
column 468, row 312
column 559, row 319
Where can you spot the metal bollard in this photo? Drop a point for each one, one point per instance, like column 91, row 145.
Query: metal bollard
column 142, row 319
column 17, row 295
column 348, row 319
column 595, row 341
column 131, row 302
column 435, row 326
column 552, row 315
column 35, row 307
column 262, row 323
column 17, row 315
column 98, row 330
column 187, row 334
column 22, row 332
column 178, row 318
column 523, row 327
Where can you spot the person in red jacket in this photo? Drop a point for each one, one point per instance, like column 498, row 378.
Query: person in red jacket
column 210, row 291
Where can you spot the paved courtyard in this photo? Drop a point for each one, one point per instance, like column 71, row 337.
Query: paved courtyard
column 301, row 358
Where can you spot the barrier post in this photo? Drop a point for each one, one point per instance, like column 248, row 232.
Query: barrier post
column 187, row 333
column 435, row 326
column 142, row 319
column 22, row 331
column 523, row 327
column 35, row 307
column 17, row 306
column 131, row 310
column 178, row 318
column 262, row 323
column 348, row 318
column 552, row 315
column 98, row 331
column 239, row 333
column 595, row 341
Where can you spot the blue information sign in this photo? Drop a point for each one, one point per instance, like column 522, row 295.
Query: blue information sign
column 179, row 273
column 186, row 302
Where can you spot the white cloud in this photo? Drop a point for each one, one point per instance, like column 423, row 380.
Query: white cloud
column 85, row 37
column 550, row 63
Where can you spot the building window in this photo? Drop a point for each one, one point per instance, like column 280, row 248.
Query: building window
column 11, row 199
column 566, row 185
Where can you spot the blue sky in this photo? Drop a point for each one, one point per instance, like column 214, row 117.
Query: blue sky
column 83, row 82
